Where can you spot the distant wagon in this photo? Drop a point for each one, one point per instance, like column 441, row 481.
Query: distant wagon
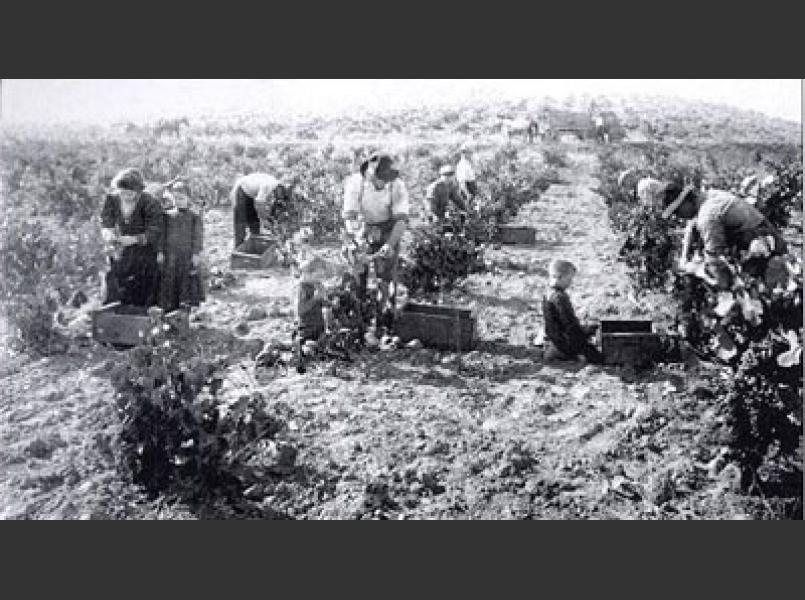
column 568, row 122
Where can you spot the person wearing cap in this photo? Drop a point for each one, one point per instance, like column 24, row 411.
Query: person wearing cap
column 465, row 175
column 180, row 250
column 444, row 194
column 601, row 130
column 376, row 196
column 533, row 130
column 721, row 220
column 131, row 226
column 248, row 192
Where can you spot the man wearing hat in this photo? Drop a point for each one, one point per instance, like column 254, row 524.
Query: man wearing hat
column 465, row 175
column 248, row 192
column 720, row 219
column 376, row 196
column 444, row 194
column 131, row 226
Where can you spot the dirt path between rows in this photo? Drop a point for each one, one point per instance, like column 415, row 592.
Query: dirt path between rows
column 492, row 434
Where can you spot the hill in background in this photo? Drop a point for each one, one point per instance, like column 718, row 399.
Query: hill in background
column 645, row 118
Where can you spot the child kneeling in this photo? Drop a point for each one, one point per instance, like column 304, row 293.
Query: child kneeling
column 310, row 301
column 566, row 337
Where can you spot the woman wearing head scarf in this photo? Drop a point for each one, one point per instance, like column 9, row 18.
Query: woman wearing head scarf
column 131, row 222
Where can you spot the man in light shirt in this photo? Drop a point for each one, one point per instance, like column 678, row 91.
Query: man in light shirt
column 465, row 175
column 376, row 208
column 249, row 191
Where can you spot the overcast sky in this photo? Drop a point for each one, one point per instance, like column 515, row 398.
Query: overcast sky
column 107, row 100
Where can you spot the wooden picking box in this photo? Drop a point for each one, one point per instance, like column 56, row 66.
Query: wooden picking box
column 113, row 324
column 517, row 234
column 629, row 342
column 442, row 327
column 256, row 252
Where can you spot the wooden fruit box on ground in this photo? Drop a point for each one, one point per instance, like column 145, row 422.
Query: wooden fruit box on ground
column 517, row 234
column 256, row 252
column 629, row 342
column 128, row 326
column 442, row 327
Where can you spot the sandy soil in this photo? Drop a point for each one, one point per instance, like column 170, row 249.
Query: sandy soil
column 492, row 434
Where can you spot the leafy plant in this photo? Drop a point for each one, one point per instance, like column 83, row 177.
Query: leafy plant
column 179, row 438
column 745, row 314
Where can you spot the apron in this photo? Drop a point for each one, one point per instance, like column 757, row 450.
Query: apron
column 377, row 234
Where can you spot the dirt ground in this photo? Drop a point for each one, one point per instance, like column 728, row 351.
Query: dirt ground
column 414, row 434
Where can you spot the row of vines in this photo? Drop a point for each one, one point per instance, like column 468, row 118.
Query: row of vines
column 747, row 316
column 177, row 439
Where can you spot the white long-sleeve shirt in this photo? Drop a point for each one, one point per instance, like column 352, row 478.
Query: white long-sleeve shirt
column 257, row 185
column 464, row 171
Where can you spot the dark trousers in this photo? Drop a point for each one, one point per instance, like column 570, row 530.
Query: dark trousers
column 245, row 217
column 385, row 269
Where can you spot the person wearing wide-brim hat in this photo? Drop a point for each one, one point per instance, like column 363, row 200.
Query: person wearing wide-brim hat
column 444, row 194
column 377, row 196
column 131, row 225
column 721, row 220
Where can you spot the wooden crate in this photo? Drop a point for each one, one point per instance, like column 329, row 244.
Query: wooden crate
column 629, row 342
column 517, row 234
column 256, row 252
column 115, row 324
column 442, row 327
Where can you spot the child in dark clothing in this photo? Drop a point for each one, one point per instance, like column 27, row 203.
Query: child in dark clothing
column 567, row 338
column 180, row 256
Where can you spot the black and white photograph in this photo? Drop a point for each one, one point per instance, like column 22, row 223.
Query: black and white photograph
column 401, row 299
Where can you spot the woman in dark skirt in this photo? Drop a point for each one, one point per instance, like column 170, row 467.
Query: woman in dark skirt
column 183, row 240
column 132, row 226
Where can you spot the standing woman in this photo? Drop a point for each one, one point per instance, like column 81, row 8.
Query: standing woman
column 131, row 222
